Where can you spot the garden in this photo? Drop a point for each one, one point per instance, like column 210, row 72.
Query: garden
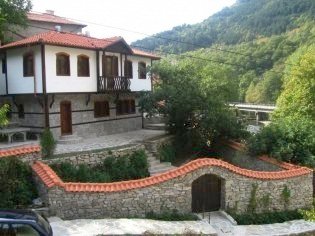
column 127, row 167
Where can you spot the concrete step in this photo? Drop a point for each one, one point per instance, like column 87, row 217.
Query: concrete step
column 159, row 126
column 161, row 170
column 69, row 139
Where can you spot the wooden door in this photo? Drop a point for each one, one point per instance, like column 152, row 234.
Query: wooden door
column 206, row 194
column 66, row 118
column 110, row 66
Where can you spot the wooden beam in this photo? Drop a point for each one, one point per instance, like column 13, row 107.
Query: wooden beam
column 46, row 106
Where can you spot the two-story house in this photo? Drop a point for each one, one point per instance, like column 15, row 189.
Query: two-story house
column 74, row 84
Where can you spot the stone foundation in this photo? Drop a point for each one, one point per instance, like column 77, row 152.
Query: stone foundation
column 84, row 123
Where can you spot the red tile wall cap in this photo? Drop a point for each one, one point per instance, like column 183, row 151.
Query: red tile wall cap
column 19, row 151
column 50, row 178
column 240, row 146
column 236, row 145
column 284, row 165
column 47, row 175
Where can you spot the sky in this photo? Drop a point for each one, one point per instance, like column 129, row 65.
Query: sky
column 144, row 16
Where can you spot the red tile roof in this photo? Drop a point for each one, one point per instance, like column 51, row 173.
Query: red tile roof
column 50, row 179
column 63, row 39
column 145, row 54
column 73, row 40
column 19, row 151
column 45, row 17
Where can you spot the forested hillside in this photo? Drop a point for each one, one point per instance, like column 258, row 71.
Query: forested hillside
column 253, row 38
column 243, row 22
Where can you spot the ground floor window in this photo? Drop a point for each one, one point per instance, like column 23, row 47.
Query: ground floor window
column 126, row 106
column 101, row 109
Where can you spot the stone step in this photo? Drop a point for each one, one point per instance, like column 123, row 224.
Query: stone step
column 161, row 170
column 159, row 126
column 69, row 139
column 160, row 164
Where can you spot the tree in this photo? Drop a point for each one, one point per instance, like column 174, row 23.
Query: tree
column 3, row 115
column 13, row 12
column 195, row 99
column 291, row 136
column 298, row 96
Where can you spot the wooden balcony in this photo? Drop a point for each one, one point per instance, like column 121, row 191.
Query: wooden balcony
column 113, row 83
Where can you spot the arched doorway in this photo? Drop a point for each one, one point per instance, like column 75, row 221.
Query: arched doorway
column 206, row 194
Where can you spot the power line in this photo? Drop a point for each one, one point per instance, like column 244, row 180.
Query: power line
column 172, row 53
column 167, row 39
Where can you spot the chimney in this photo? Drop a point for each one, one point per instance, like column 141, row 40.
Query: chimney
column 50, row 12
column 87, row 33
column 58, row 28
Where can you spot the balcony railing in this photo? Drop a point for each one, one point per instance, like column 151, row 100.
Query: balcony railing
column 113, row 83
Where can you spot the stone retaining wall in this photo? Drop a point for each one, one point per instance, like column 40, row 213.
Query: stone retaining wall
column 172, row 190
column 32, row 154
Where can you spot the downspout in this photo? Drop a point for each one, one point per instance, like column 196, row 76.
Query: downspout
column 46, row 108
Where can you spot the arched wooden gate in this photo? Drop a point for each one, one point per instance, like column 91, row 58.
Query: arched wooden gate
column 206, row 193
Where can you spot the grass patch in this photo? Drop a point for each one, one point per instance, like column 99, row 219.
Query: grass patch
column 266, row 218
column 127, row 167
column 173, row 215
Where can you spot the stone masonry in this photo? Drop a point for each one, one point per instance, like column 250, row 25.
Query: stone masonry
column 172, row 190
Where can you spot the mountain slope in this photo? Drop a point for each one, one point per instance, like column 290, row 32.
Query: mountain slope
column 243, row 22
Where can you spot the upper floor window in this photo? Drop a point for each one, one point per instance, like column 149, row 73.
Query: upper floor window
column 83, row 66
column 125, row 107
column 110, row 66
column 62, row 64
column 128, row 69
column 101, row 109
column 142, row 70
column 28, row 64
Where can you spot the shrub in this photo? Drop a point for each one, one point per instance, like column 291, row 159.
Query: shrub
column 266, row 218
column 167, row 153
column 16, row 185
column 47, row 143
column 172, row 215
column 291, row 140
column 308, row 215
column 112, row 169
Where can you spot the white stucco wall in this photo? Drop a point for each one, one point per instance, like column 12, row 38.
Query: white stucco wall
column 136, row 83
column 2, row 80
column 72, row 83
column 17, row 83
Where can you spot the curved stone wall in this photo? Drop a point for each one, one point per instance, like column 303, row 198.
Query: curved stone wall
column 171, row 190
